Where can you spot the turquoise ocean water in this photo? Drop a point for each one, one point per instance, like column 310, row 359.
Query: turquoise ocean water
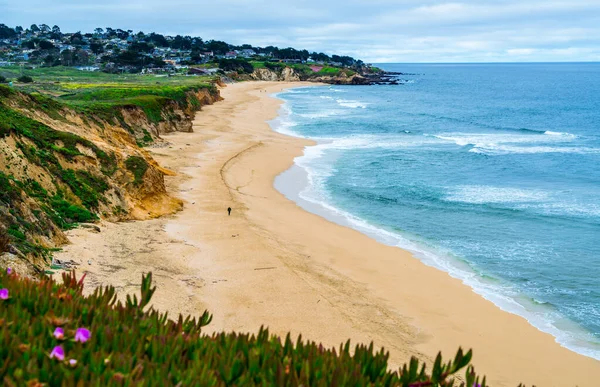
column 490, row 172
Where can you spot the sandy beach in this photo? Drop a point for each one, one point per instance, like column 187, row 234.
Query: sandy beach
column 271, row 263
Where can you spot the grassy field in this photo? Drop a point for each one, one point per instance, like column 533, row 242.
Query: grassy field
column 97, row 93
column 58, row 81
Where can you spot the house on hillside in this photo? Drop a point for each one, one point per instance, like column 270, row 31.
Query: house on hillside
column 247, row 53
column 197, row 71
column 231, row 55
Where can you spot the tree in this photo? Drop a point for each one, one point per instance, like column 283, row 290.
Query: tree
column 76, row 39
column 34, row 28
column 18, row 29
column 181, row 43
column 66, row 58
column 158, row 40
column 55, row 29
column 7, row 32
column 51, row 60
column 217, row 46
column 96, row 48
column 320, row 57
column 241, row 66
column 98, row 31
column 25, row 79
column 46, row 45
column 141, row 47
column 28, row 44
column 122, row 34
column 45, row 28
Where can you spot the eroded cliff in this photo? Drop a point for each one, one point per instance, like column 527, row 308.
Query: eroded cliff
column 61, row 166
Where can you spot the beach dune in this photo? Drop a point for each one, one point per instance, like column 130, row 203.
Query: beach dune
column 271, row 263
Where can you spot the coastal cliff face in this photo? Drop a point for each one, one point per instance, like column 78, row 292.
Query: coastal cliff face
column 60, row 167
column 288, row 74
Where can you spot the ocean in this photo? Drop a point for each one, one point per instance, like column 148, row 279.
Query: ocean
column 490, row 172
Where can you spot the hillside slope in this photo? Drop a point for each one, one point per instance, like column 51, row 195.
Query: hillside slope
column 66, row 163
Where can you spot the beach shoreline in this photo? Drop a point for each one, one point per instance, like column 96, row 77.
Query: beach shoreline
column 273, row 263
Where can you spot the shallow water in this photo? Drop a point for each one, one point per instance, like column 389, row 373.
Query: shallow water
column 488, row 171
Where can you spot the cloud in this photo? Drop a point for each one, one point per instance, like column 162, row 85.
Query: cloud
column 378, row 30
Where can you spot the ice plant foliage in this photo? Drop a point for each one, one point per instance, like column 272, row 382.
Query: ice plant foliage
column 136, row 345
column 82, row 335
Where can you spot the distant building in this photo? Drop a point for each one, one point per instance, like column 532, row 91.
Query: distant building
column 196, row 71
column 247, row 53
column 88, row 68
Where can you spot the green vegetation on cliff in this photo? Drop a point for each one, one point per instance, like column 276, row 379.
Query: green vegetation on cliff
column 138, row 166
column 50, row 333
column 75, row 172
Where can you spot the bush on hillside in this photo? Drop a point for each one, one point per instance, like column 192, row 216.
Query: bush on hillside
column 241, row 66
column 4, row 241
column 3, row 79
column 50, row 334
column 25, row 79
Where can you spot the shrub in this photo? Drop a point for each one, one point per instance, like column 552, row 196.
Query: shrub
column 4, row 241
column 138, row 166
column 3, row 79
column 240, row 65
column 66, row 215
column 52, row 334
column 25, row 79
column 274, row 65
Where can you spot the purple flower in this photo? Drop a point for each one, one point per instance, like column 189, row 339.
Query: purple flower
column 58, row 352
column 73, row 362
column 9, row 271
column 4, row 294
column 59, row 333
column 82, row 335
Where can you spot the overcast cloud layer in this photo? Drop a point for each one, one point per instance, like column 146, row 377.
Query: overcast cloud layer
column 373, row 30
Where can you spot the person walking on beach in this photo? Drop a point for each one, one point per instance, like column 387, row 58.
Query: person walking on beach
column 229, row 211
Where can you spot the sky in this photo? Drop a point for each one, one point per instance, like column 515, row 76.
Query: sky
column 373, row 30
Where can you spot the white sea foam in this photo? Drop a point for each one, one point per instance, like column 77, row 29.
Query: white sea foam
column 351, row 103
column 481, row 194
column 481, row 140
column 492, row 149
column 541, row 201
column 284, row 123
column 508, row 143
column 564, row 134
column 565, row 207
column 320, row 114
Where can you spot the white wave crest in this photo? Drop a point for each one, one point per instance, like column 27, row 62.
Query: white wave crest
column 321, row 114
column 492, row 149
column 565, row 134
column 491, row 139
column 351, row 103
column 480, row 194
